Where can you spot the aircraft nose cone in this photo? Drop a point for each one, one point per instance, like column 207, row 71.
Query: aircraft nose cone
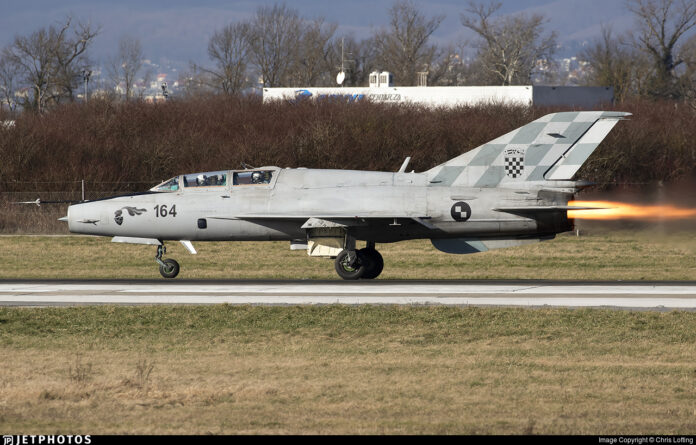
column 83, row 218
column 69, row 218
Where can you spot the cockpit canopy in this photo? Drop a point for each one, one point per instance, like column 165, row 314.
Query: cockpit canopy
column 252, row 177
column 170, row 185
column 208, row 179
column 216, row 179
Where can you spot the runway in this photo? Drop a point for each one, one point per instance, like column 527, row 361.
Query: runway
column 629, row 295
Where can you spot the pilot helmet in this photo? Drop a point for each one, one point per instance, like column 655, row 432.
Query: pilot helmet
column 256, row 177
column 201, row 179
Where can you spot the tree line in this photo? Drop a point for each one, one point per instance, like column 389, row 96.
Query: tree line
column 277, row 47
column 136, row 144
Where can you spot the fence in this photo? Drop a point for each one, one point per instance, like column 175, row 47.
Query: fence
column 19, row 215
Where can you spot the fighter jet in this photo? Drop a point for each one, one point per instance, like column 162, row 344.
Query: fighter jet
column 508, row 192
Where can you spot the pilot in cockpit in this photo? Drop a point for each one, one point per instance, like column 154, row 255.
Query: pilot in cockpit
column 261, row 177
column 201, row 180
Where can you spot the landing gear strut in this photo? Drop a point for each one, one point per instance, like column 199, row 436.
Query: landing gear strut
column 365, row 263
column 168, row 268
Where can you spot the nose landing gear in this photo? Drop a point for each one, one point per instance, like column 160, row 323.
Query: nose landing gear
column 168, row 268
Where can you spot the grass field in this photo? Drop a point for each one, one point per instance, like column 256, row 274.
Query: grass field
column 600, row 255
column 334, row 369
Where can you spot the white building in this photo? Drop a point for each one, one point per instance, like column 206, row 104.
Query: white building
column 381, row 89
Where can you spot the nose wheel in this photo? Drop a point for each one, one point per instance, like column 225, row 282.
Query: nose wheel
column 168, row 268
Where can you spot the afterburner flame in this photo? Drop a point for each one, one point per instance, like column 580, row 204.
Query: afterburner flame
column 620, row 210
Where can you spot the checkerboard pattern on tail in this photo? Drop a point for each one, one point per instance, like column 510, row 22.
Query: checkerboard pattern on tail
column 514, row 166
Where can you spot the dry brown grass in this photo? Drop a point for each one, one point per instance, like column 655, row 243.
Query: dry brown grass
column 598, row 255
column 499, row 378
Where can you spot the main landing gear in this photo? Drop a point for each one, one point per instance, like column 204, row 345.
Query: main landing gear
column 351, row 263
column 168, row 268
column 365, row 263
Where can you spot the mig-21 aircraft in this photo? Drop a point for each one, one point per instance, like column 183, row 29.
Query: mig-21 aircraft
column 508, row 192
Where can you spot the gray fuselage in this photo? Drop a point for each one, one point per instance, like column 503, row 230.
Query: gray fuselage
column 373, row 206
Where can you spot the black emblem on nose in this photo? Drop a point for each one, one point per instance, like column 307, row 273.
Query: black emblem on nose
column 132, row 211
column 460, row 211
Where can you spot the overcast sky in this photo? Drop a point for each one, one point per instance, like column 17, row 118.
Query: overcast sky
column 178, row 30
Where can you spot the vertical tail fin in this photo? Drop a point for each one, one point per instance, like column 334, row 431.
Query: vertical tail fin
column 552, row 147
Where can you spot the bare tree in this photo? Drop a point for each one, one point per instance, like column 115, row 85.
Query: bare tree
column 34, row 57
column 196, row 82
column 403, row 47
column 614, row 64
column 661, row 25
column 313, row 66
column 275, row 41
column 688, row 79
column 451, row 68
column 71, row 57
column 126, row 64
column 510, row 46
column 50, row 61
column 229, row 49
column 9, row 74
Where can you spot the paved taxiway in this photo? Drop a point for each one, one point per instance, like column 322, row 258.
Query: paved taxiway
column 634, row 295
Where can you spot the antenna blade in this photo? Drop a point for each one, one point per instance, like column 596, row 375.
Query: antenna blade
column 405, row 164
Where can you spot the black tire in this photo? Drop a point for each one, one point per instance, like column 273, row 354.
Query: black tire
column 171, row 270
column 375, row 265
column 345, row 270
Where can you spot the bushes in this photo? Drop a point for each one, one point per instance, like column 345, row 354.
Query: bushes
column 120, row 147
column 655, row 145
column 132, row 145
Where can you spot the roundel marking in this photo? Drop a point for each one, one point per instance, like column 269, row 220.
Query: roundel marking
column 460, row 211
